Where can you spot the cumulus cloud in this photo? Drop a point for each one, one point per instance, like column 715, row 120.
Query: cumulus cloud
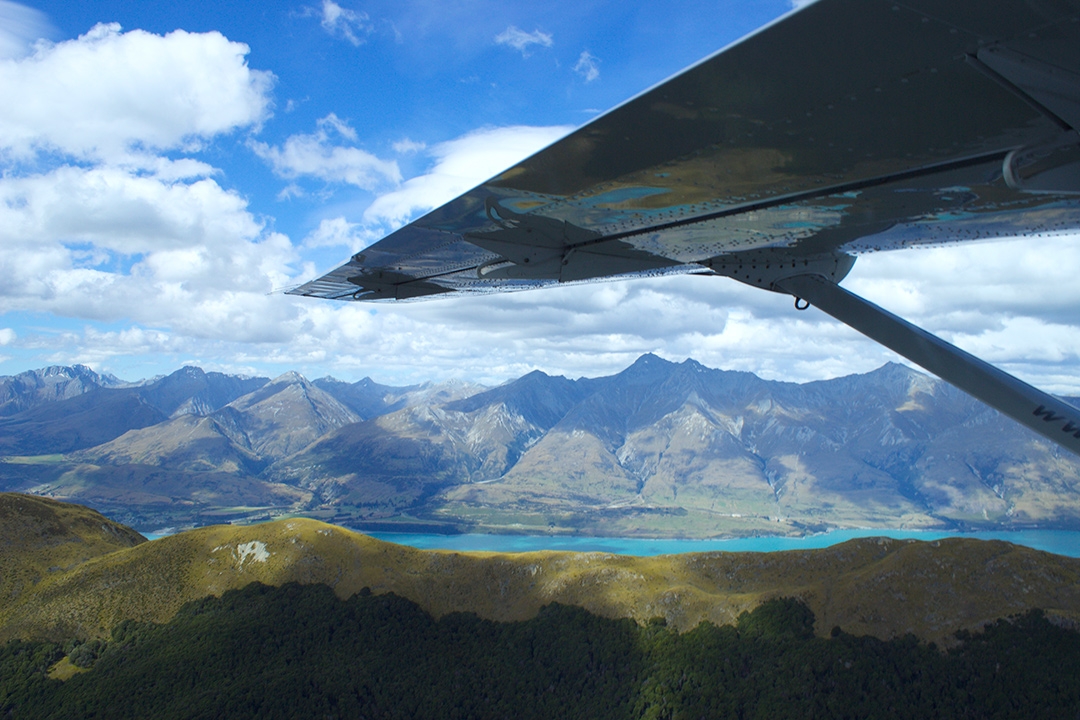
column 101, row 225
column 100, row 243
column 7, row 336
column 115, row 210
column 596, row 329
column 587, row 66
column 317, row 155
column 338, row 232
column 20, row 26
column 460, row 165
column 522, row 41
column 108, row 95
column 1008, row 302
column 349, row 25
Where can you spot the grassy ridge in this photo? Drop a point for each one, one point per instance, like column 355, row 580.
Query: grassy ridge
column 879, row 587
column 42, row 537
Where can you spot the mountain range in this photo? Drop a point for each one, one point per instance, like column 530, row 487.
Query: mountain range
column 659, row 449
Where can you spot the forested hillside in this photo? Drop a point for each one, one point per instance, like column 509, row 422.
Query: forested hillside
column 297, row 618
column 300, row 652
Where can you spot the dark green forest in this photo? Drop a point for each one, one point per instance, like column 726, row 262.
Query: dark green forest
column 298, row 651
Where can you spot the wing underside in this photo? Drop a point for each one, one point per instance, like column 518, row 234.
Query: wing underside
column 849, row 126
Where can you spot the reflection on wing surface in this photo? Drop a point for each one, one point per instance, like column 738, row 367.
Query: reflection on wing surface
column 851, row 125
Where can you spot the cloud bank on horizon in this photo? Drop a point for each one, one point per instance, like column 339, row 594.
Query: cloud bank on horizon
column 163, row 170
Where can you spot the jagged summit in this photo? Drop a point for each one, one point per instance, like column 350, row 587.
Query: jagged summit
column 540, row 399
column 661, row 448
column 191, row 391
column 56, row 382
column 645, row 368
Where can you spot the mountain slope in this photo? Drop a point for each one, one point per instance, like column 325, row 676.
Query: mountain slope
column 288, row 414
column 76, row 423
column 665, row 448
column 190, row 391
column 41, row 537
column 401, row 458
column 187, row 442
column 660, row 449
column 874, row 586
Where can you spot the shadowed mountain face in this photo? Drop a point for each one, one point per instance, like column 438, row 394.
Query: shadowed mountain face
column 190, row 391
column 404, row 457
column 659, row 449
column 75, row 423
column 75, row 409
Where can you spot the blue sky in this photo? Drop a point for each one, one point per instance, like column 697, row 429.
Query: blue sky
column 165, row 167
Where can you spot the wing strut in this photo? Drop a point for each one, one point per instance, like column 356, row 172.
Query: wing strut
column 1045, row 414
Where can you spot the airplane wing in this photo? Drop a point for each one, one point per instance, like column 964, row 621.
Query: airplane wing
column 846, row 127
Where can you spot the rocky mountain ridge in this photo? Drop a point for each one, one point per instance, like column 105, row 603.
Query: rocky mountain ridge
column 34, row 387
column 660, row 449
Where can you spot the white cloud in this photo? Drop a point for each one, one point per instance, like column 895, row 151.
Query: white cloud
column 349, row 25
column 115, row 210
column 7, row 336
column 339, row 126
column 522, row 41
column 587, row 66
column 460, row 165
column 104, row 244
column 1010, row 302
column 109, row 95
column 316, row 155
column 1011, row 277
column 19, row 27
column 290, row 191
column 598, row 329
column 338, row 232
column 124, row 234
column 407, row 146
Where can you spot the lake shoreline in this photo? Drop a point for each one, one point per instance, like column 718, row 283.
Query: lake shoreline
column 1059, row 542
column 1056, row 541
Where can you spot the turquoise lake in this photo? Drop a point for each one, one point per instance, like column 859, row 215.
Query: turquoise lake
column 1061, row 542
